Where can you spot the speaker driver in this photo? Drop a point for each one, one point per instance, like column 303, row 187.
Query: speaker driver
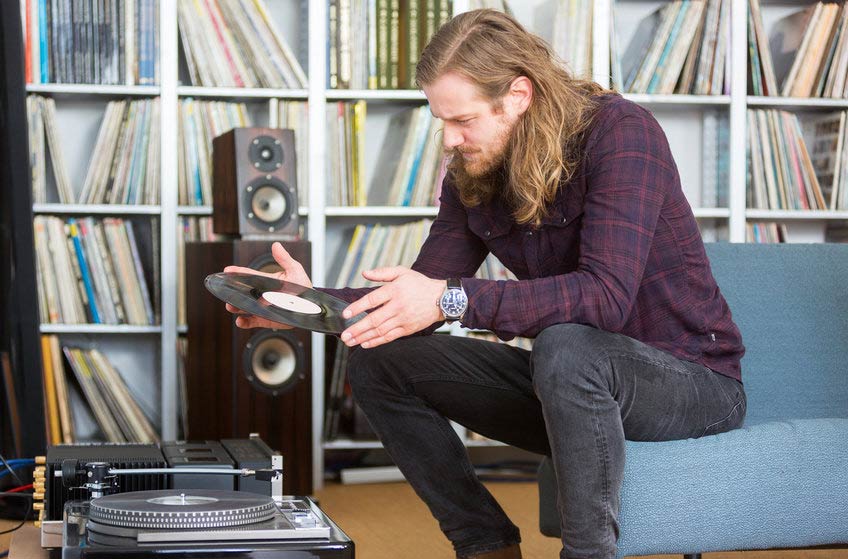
column 274, row 361
column 265, row 263
column 270, row 203
column 266, row 153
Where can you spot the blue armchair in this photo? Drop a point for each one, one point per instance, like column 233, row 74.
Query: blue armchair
column 781, row 481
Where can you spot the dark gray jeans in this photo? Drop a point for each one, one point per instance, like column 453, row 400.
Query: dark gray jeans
column 576, row 398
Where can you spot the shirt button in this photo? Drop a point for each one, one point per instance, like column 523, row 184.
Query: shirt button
column 564, row 219
column 488, row 233
column 529, row 233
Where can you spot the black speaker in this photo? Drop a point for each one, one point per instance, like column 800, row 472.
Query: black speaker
column 248, row 381
column 254, row 183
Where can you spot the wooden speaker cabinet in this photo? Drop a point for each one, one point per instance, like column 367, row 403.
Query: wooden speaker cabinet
column 254, row 183
column 248, row 381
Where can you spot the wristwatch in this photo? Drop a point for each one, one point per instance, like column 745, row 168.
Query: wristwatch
column 454, row 301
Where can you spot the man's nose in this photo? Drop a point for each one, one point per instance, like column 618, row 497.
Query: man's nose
column 451, row 137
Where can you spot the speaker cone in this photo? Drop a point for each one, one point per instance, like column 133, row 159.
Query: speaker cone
column 274, row 361
column 269, row 203
column 265, row 263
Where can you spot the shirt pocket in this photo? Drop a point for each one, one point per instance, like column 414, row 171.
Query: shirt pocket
column 492, row 230
column 560, row 232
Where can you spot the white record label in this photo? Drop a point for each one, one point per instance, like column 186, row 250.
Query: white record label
column 291, row 302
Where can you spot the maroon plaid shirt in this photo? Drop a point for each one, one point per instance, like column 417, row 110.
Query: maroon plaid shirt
column 620, row 250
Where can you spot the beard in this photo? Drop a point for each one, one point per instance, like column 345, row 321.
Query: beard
column 481, row 179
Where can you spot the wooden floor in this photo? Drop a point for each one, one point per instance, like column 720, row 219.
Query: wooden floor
column 388, row 521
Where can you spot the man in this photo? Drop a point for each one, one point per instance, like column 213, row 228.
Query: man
column 575, row 190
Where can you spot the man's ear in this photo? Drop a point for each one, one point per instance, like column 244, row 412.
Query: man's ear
column 519, row 96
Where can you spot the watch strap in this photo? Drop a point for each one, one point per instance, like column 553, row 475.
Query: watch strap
column 454, row 283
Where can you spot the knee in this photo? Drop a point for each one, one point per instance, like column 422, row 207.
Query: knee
column 564, row 354
column 376, row 370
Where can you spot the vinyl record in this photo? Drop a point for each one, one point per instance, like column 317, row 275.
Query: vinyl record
column 281, row 301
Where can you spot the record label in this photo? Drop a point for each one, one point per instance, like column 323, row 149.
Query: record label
column 291, row 302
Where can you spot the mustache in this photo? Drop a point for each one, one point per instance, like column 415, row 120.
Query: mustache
column 456, row 152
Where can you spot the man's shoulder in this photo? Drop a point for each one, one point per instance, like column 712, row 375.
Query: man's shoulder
column 611, row 109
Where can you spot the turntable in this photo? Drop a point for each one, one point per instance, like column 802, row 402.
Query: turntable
column 191, row 522
column 200, row 523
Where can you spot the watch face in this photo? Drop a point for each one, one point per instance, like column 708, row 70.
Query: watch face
column 454, row 302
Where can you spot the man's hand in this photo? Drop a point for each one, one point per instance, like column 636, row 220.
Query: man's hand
column 291, row 272
column 406, row 304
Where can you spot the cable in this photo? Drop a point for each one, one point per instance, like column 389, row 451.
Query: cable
column 26, row 515
column 11, row 471
column 14, row 466
column 15, row 494
column 19, row 489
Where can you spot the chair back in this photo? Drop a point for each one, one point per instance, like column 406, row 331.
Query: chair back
column 790, row 302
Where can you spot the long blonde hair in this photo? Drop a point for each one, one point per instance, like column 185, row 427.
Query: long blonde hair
column 491, row 49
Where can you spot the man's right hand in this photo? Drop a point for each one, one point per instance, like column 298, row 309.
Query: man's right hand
column 291, row 272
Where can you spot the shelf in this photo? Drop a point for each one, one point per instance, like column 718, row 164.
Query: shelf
column 796, row 215
column 241, row 93
column 471, row 443
column 381, row 211
column 707, row 213
column 679, row 100
column 99, row 329
column 819, row 103
column 207, row 210
column 194, row 210
column 95, row 209
column 346, row 444
column 375, row 95
column 78, row 90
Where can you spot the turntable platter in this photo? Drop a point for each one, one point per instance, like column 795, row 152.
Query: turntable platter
column 187, row 509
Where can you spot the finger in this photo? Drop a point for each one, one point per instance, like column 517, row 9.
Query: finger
column 236, row 310
column 357, row 333
column 373, row 299
column 390, row 273
column 282, row 256
column 247, row 322
column 393, row 334
column 379, row 331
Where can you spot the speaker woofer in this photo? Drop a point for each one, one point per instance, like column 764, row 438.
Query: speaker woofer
column 265, row 263
column 266, row 153
column 274, row 361
column 269, row 203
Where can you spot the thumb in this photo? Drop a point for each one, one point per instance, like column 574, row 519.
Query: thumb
column 383, row 274
column 281, row 255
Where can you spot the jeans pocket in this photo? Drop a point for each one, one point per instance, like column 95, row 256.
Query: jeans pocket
column 732, row 420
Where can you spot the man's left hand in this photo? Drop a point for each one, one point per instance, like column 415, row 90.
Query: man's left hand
column 407, row 303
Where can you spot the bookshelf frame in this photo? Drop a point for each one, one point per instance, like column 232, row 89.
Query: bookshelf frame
column 318, row 215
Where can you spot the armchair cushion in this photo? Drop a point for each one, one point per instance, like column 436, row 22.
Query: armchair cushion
column 753, row 483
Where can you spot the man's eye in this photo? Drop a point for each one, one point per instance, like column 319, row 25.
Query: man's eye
column 464, row 122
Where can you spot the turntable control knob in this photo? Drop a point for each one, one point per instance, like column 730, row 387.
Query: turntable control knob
column 40, row 460
column 38, row 506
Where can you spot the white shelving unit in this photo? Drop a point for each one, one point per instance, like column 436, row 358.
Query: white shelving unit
column 680, row 115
